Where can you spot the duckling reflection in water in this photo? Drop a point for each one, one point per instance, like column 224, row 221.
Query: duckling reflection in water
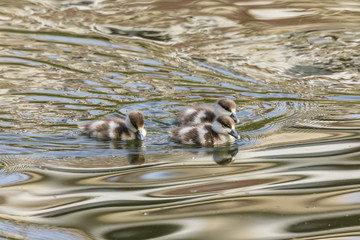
column 116, row 128
column 222, row 130
column 224, row 155
column 134, row 150
column 197, row 115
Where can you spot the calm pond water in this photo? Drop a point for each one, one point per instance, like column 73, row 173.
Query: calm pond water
column 293, row 69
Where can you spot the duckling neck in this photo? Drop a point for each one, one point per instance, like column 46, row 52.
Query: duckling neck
column 129, row 125
column 218, row 111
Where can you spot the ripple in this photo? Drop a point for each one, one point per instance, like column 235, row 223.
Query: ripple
column 81, row 41
column 274, row 13
column 124, row 196
column 148, row 34
column 17, row 60
column 14, row 230
column 143, row 231
column 12, row 178
column 291, row 68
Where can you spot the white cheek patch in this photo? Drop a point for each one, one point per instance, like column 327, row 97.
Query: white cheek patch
column 225, row 112
column 220, row 110
column 129, row 125
column 217, row 127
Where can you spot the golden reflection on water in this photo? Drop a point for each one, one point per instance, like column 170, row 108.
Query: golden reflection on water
column 291, row 67
column 169, row 196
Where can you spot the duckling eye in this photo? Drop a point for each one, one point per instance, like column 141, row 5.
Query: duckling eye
column 227, row 109
column 226, row 125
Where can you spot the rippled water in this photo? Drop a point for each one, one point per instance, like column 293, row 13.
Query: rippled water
column 293, row 68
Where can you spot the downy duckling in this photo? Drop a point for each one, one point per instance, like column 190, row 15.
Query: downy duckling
column 116, row 128
column 222, row 130
column 197, row 115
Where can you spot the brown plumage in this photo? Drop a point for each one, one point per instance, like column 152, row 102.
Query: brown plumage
column 198, row 115
column 228, row 104
column 219, row 132
column 192, row 135
column 117, row 129
column 137, row 119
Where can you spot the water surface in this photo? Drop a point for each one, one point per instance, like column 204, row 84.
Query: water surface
column 291, row 67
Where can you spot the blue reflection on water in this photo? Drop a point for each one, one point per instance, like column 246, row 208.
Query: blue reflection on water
column 230, row 74
column 86, row 41
column 17, row 60
column 31, row 232
column 159, row 175
column 344, row 97
column 151, row 62
column 12, row 178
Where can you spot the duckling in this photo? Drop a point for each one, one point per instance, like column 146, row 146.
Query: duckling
column 116, row 128
column 222, row 130
column 196, row 115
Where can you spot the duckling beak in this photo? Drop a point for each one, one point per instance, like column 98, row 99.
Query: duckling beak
column 139, row 135
column 234, row 134
column 236, row 120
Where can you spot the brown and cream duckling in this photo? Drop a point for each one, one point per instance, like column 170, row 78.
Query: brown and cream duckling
column 197, row 115
column 222, row 130
column 116, row 128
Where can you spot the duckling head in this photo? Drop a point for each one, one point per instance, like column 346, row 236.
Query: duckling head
column 135, row 123
column 225, row 106
column 225, row 125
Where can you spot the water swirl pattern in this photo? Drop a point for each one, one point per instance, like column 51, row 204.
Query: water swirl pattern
column 293, row 69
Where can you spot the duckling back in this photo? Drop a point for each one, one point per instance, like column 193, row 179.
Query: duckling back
column 199, row 115
column 201, row 134
column 196, row 115
column 109, row 128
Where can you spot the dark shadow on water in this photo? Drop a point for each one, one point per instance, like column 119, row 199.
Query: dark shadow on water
column 136, row 152
column 154, row 35
column 135, row 159
column 306, row 71
column 143, row 231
